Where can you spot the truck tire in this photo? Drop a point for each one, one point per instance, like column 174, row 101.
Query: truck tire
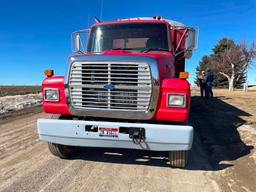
column 62, row 151
column 178, row 158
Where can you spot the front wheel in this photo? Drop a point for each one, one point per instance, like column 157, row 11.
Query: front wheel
column 62, row 151
column 178, row 158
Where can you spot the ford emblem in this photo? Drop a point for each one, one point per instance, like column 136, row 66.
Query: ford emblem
column 108, row 86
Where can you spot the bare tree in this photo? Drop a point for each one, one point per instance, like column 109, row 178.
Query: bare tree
column 233, row 62
column 249, row 53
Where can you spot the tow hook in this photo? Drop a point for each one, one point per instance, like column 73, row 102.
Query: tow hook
column 137, row 135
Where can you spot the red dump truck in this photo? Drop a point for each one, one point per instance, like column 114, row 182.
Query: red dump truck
column 125, row 87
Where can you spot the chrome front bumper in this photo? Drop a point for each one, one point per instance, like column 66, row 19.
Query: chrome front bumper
column 159, row 137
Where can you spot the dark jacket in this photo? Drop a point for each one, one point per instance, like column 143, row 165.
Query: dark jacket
column 209, row 78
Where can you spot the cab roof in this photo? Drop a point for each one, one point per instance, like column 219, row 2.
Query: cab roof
column 156, row 19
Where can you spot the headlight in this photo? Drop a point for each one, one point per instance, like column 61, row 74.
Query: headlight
column 176, row 100
column 51, row 94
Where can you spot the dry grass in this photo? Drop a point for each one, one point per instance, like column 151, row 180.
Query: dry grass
column 18, row 90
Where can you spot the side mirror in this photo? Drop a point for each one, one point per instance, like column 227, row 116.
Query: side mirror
column 79, row 41
column 191, row 39
column 191, row 42
column 189, row 35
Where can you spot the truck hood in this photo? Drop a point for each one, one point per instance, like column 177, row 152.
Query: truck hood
column 165, row 60
column 154, row 54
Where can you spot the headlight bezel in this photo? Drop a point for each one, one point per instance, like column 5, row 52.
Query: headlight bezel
column 176, row 94
column 52, row 89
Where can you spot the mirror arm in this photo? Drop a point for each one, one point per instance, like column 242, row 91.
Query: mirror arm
column 185, row 51
column 176, row 54
column 182, row 37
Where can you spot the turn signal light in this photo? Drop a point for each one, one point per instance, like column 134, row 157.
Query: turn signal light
column 49, row 72
column 184, row 75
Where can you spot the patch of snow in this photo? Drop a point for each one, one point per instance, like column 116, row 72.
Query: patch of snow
column 18, row 102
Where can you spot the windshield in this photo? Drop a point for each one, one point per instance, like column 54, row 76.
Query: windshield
column 132, row 36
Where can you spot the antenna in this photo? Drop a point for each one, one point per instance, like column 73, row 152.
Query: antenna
column 97, row 20
column 101, row 9
column 88, row 20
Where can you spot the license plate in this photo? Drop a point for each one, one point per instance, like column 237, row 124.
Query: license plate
column 108, row 132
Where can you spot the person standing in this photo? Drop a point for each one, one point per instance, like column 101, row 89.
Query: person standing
column 208, row 83
column 200, row 79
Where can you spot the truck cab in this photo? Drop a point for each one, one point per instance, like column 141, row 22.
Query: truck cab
column 125, row 87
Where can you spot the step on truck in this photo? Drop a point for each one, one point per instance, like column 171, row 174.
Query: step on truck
column 125, row 87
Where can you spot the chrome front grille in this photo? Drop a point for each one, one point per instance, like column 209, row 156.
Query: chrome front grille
column 110, row 85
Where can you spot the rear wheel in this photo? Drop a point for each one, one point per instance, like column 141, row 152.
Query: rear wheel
column 62, row 151
column 178, row 158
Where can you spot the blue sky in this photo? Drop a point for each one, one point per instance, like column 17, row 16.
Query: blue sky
column 35, row 35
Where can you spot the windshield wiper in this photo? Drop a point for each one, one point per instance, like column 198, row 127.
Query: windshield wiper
column 153, row 49
column 119, row 48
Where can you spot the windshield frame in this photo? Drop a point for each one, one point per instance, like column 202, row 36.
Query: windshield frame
column 89, row 41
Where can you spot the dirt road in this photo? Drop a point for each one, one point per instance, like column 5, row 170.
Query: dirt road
column 222, row 158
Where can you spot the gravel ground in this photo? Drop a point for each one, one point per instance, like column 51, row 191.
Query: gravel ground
column 222, row 159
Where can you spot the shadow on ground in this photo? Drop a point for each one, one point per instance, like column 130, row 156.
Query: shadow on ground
column 124, row 156
column 216, row 139
column 216, row 123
